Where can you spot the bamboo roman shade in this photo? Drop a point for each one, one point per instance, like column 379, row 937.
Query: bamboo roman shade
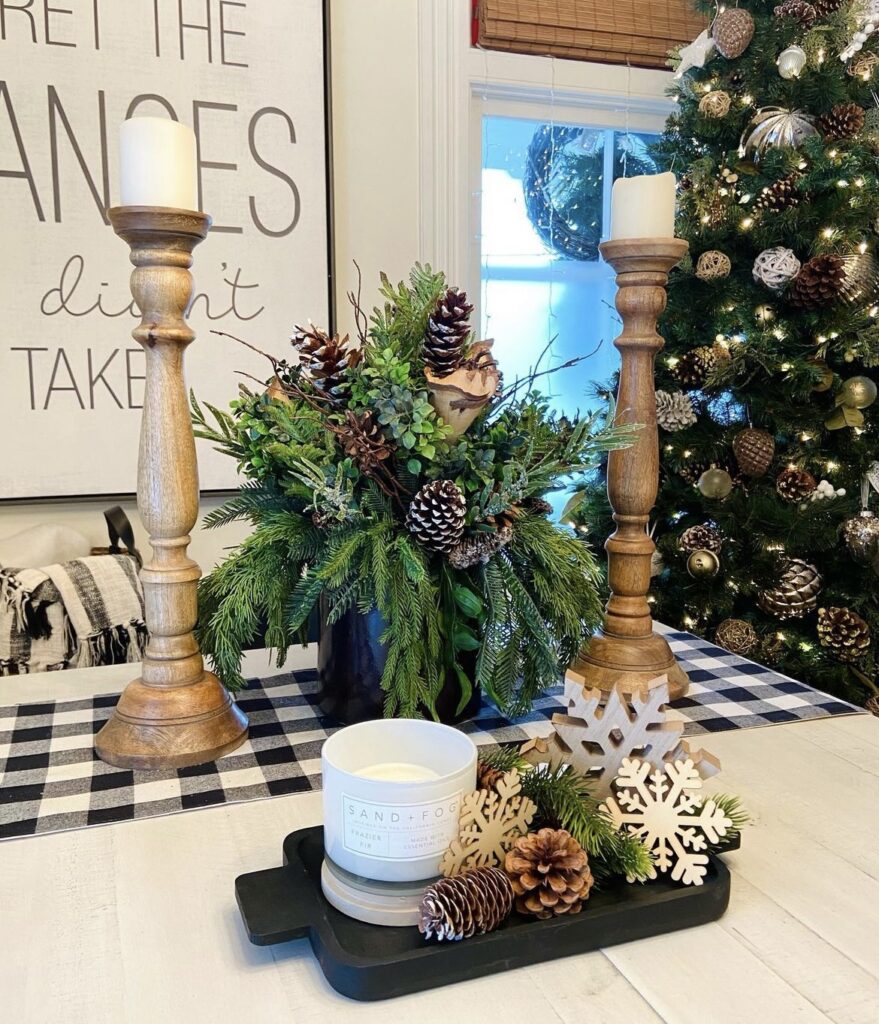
column 611, row 31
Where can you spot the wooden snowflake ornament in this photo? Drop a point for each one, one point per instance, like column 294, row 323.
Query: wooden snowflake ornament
column 600, row 730
column 663, row 807
column 491, row 820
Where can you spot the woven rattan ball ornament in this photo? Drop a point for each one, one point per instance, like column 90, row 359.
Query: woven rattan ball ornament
column 732, row 31
column 844, row 632
column 703, row 564
column 715, row 104
column 795, row 484
column 843, row 121
column 715, row 483
column 713, row 265
column 796, row 592
column 754, row 451
column 737, row 636
column 550, row 873
column 861, row 536
column 471, row 903
column 701, row 538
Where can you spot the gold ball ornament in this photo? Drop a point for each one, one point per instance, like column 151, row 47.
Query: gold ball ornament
column 857, row 392
column 825, row 381
column 715, row 483
column 732, row 31
column 713, row 265
column 715, row 104
column 703, row 564
column 861, row 536
column 764, row 313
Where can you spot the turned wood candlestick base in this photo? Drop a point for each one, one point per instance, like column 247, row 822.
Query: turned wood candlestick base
column 176, row 713
column 626, row 654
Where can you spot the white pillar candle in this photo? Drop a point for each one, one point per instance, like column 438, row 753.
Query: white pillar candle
column 157, row 163
column 398, row 771
column 643, row 207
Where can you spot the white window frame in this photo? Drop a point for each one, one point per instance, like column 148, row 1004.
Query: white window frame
column 458, row 84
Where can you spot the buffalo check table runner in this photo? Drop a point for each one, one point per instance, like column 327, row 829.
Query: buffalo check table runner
column 51, row 780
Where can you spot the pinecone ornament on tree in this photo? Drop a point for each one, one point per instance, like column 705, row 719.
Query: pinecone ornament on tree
column 824, row 8
column 325, row 360
column 844, row 632
column 693, row 368
column 795, row 484
column 674, row 411
column 754, row 451
column 448, row 328
column 796, row 592
column 780, row 195
column 701, row 538
column 842, row 122
column 819, row 281
column 464, row 905
column 550, row 873
column 799, row 10
column 436, row 515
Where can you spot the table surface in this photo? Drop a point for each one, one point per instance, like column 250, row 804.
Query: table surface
column 136, row 922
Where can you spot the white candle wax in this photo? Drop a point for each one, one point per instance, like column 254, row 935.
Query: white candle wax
column 643, row 207
column 398, row 771
column 157, row 163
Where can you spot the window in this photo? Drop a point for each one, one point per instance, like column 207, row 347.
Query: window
column 545, row 205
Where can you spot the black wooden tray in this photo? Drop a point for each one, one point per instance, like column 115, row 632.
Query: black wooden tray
column 365, row 961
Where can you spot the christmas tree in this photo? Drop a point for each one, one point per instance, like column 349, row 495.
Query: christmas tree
column 768, row 436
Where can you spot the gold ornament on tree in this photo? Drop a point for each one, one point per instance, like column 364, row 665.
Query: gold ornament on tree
column 472, row 903
column 715, row 104
column 715, row 483
column 856, row 393
column 703, row 564
column 796, row 592
column 737, row 636
column 826, row 375
column 732, row 31
column 712, row 265
column 861, row 536
column 844, row 632
column 550, row 874
column 754, row 451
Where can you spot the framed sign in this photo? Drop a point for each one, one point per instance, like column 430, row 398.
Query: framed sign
column 250, row 76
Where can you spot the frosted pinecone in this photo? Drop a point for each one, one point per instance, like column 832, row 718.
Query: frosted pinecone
column 436, row 515
column 674, row 410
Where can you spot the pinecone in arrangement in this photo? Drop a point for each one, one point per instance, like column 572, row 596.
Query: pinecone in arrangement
column 737, row 636
column 754, row 451
column 550, row 873
column 796, row 592
column 436, row 515
column 799, row 10
column 780, row 195
column 325, row 360
column 674, row 411
column 872, row 705
column 844, row 632
column 479, row 548
column 693, row 367
column 364, row 442
column 468, row 904
column 842, row 122
column 537, row 506
column 487, row 777
column 795, row 484
column 448, row 328
column 819, row 281
column 701, row 538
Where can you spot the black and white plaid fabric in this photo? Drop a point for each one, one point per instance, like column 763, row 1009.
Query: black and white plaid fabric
column 51, row 780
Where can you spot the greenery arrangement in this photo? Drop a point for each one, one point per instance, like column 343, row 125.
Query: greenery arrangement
column 769, row 434
column 396, row 472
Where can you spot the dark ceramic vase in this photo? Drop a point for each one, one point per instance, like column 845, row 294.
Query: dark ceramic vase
column 350, row 662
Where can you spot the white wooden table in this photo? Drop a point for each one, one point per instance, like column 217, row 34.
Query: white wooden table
column 136, row 923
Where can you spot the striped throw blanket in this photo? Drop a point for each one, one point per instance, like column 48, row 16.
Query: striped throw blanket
column 72, row 615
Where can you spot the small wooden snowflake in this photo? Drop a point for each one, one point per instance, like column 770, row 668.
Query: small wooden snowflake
column 664, row 808
column 491, row 820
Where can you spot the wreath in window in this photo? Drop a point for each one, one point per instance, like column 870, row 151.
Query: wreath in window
column 564, row 185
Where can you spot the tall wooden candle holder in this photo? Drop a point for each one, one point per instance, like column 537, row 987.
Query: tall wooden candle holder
column 176, row 713
column 626, row 654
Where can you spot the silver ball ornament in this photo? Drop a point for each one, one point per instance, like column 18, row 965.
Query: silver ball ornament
column 791, row 62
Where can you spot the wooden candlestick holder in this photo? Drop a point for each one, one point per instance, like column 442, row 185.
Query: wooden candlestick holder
column 626, row 654
column 176, row 713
